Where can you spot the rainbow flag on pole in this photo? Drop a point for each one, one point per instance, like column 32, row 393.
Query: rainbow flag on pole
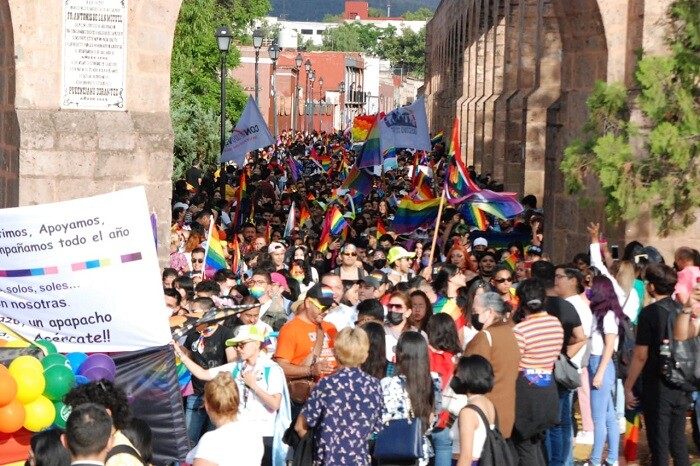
column 458, row 183
column 412, row 214
column 371, row 154
column 437, row 138
column 474, row 216
column 304, row 216
column 337, row 221
column 512, row 260
column 360, row 180
column 213, row 254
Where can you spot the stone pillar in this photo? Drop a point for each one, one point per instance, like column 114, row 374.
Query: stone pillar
column 66, row 154
column 9, row 131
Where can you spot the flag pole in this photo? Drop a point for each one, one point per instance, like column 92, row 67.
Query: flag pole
column 437, row 226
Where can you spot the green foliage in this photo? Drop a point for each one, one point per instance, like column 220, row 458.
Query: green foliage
column 195, row 74
column 655, row 168
column 422, row 14
column 333, row 18
column 406, row 50
column 354, row 37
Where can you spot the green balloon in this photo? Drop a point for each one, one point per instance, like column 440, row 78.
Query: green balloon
column 55, row 359
column 48, row 344
column 62, row 413
column 59, row 381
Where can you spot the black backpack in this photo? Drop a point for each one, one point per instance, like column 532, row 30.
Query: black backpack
column 496, row 451
column 678, row 369
column 625, row 352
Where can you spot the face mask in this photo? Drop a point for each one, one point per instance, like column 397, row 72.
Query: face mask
column 478, row 325
column 394, row 318
column 379, row 263
column 257, row 291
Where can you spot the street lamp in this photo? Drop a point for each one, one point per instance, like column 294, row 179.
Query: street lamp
column 341, row 88
column 320, row 108
column 369, row 102
column 223, row 40
column 257, row 43
column 274, row 51
column 360, row 98
column 312, row 78
column 298, row 61
column 307, row 67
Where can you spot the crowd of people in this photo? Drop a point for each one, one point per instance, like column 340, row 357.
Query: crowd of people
column 461, row 335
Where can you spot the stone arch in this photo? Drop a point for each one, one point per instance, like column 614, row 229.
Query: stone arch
column 9, row 136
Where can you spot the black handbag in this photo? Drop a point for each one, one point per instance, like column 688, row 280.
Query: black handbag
column 400, row 439
column 566, row 373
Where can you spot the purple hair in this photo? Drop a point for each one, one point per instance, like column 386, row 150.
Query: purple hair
column 604, row 299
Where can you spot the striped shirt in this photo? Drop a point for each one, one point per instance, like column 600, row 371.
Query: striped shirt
column 540, row 338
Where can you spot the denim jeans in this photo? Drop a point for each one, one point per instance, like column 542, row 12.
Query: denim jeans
column 559, row 441
column 442, row 444
column 605, row 424
column 196, row 418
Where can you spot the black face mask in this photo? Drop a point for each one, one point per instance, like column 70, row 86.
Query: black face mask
column 394, row 318
column 379, row 263
column 478, row 326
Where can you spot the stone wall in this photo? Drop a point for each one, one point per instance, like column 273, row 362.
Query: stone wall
column 9, row 132
column 66, row 154
column 517, row 74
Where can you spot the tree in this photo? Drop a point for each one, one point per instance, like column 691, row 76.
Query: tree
column 353, row 37
column 422, row 14
column 195, row 71
column 405, row 50
column 656, row 167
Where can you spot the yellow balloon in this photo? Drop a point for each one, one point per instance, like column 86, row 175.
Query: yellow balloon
column 17, row 344
column 40, row 414
column 30, row 385
column 24, row 364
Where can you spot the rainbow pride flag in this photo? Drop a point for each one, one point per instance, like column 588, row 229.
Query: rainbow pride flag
column 381, row 229
column 501, row 205
column 423, row 189
column 458, row 183
column 214, row 254
column 371, row 154
column 237, row 260
column 325, row 239
column 360, row 180
column 437, row 138
column 512, row 260
column 474, row 216
column 337, row 221
column 304, row 216
column 412, row 214
column 294, row 170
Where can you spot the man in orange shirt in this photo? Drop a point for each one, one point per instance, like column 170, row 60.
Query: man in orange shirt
column 298, row 353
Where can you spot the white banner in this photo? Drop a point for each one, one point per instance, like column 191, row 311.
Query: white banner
column 83, row 274
column 405, row 127
column 250, row 133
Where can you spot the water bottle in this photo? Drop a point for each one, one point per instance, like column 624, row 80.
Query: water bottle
column 665, row 349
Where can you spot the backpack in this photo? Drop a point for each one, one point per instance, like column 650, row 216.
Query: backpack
column 496, row 451
column 625, row 351
column 678, row 369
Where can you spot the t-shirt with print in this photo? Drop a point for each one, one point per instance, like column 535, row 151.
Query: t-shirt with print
column 297, row 339
column 208, row 352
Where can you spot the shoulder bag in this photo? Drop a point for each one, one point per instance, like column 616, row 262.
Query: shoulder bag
column 300, row 389
column 566, row 373
column 400, row 439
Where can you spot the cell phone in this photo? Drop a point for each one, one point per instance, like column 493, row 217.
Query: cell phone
column 615, row 251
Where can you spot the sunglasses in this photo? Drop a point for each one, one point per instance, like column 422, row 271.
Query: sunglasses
column 503, row 280
column 394, row 306
column 198, row 261
column 240, row 344
column 351, row 254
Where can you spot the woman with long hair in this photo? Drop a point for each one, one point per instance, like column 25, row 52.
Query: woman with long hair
column 422, row 310
column 231, row 436
column 607, row 314
column 448, row 280
column 414, row 380
column 376, row 363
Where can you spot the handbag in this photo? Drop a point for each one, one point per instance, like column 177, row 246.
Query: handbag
column 300, row 389
column 400, row 439
column 566, row 373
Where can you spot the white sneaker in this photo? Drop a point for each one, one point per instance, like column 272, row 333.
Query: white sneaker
column 584, row 437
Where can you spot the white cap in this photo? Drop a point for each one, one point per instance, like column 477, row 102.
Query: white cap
column 275, row 246
column 480, row 242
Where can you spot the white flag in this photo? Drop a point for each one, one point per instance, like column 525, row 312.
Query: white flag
column 405, row 127
column 250, row 133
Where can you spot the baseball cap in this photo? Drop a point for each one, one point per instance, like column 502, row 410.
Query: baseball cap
column 246, row 333
column 275, row 246
column 480, row 242
column 396, row 253
column 278, row 278
column 371, row 281
column 534, row 251
column 322, row 294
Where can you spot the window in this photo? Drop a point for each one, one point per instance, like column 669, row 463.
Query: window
column 307, row 32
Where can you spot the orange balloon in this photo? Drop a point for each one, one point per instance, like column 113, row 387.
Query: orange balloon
column 12, row 417
column 8, row 386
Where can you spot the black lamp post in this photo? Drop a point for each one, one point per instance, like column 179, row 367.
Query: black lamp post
column 307, row 67
column 223, row 40
column 298, row 61
column 274, row 51
column 312, row 78
column 341, row 88
column 320, row 106
column 257, row 43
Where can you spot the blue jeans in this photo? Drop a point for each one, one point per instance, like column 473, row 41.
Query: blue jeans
column 196, row 418
column 603, row 412
column 559, row 441
column 442, row 444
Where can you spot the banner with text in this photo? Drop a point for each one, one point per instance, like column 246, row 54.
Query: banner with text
column 405, row 127
column 250, row 133
column 83, row 274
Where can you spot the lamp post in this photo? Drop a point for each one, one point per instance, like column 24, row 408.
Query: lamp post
column 257, row 43
column 223, row 41
column 320, row 107
column 312, row 78
column 341, row 88
column 360, row 98
column 369, row 102
column 298, row 61
column 274, row 51
column 307, row 67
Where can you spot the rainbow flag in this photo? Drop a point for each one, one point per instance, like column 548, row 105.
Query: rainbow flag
column 512, row 260
column 423, row 189
column 631, row 437
column 191, row 189
column 237, row 260
column 371, row 154
column 437, row 138
column 360, row 180
column 325, row 239
column 337, row 221
column 294, row 171
column 412, row 214
column 501, row 205
column 268, row 233
column 213, row 254
column 381, row 229
column 458, row 183
column 474, row 216
column 323, row 159
column 304, row 216
column 390, row 153
column 416, row 162
column 289, row 227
